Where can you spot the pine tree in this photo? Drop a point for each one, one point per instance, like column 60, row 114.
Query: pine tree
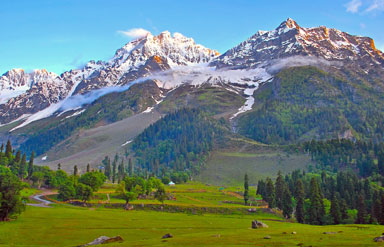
column 246, row 189
column 316, row 210
column 107, row 167
column 287, row 203
column 75, row 171
column 59, row 166
column 8, row 150
column 260, row 188
column 17, row 158
column 23, row 165
column 130, row 167
column 300, row 194
column 279, row 190
column 114, row 166
column 30, row 165
column 88, row 168
column 335, row 211
column 270, row 193
column 343, row 209
column 361, row 211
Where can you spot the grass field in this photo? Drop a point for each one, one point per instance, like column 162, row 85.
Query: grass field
column 229, row 167
column 64, row 225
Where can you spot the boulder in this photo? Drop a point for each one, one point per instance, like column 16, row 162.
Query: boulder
column 267, row 237
column 104, row 240
column 168, row 235
column 329, row 232
column 293, row 232
column 252, row 210
column 379, row 239
column 258, row 224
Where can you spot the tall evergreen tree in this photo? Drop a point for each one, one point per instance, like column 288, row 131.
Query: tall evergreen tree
column 316, row 210
column 335, row 211
column 279, row 190
column 8, row 149
column 300, row 194
column 88, row 168
column 287, row 202
column 246, row 189
column 22, row 167
column 270, row 193
column 75, row 171
column 343, row 209
column 260, row 188
column 361, row 210
column 30, row 165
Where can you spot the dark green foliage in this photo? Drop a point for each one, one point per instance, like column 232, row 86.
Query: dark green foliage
column 335, row 211
column 270, row 193
column 83, row 192
column 339, row 154
column 160, row 194
column 279, row 190
column 316, row 210
column 22, row 167
column 66, row 191
column 303, row 103
column 361, row 211
column 30, row 165
column 287, row 203
column 10, row 200
column 93, row 179
column 246, row 189
column 300, row 197
column 75, row 171
column 179, row 141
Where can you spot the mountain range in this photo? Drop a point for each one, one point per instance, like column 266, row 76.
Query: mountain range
column 278, row 87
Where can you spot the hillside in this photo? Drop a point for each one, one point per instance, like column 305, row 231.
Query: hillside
column 305, row 103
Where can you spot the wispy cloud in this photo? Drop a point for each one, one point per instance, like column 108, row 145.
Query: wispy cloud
column 353, row 6
column 376, row 5
column 364, row 6
column 134, row 33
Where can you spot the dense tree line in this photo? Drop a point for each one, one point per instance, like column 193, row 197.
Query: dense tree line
column 325, row 199
column 180, row 141
column 366, row 158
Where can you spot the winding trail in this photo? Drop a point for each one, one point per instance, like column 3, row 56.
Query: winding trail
column 42, row 202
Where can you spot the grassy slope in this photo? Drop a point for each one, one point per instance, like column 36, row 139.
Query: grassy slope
column 228, row 166
column 90, row 146
column 71, row 226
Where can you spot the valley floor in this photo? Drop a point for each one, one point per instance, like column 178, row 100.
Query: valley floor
column 67, row 225
column 72, row 226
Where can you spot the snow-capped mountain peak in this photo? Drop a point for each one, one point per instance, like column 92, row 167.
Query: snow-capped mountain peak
column 289, row 39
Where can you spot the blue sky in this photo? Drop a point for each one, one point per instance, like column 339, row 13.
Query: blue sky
column 62, row 34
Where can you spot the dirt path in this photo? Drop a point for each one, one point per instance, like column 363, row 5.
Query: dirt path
column 41, row 202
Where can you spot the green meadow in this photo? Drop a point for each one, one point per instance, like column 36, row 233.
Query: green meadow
column 67, row 225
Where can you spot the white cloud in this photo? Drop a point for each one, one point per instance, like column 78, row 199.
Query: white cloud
column 134, row 33
column 353, row 6
column 376, row 5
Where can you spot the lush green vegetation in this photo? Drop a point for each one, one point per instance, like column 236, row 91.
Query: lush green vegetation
column 63, row 225
column 178, row 142
column 304, row 103
column 365, row 158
